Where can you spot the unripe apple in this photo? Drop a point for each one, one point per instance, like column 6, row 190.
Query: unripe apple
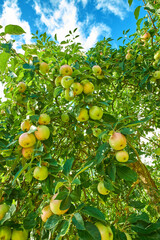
column 25, row 125
column 46, row 213
column 40, row 173
column 129, row 56
column 58, row 81
column 157, row 55
column 117, row 141
column 96, row 131
column 19, row 234
column 122, row 156
column 65, row 117
column 105, row 231
column 67, row 81
column 68, row 94
column 65, row 70
column 44, row 119
column 128, row 236
column 95, row 113
column 105, row 137
column 22, row 87
column 88, row 88
column 145, row 37
column 27, row 152
column 44, row 68
column 83, row 82
column 139, row 59
column 96, row 70
column 42, row 132
column 156, row 74
column 55, row 206
column 27, row 140
column 77, row 88
column 83, row 115
column 5, row 233
column 101, row 189
column 3, row 210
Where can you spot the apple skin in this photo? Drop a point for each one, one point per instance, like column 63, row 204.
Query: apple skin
column 122, row 156
column 58, row 81
column 128, row 236
column 105, row 231
column 44, row 119
column 128, row 56
column 46, row 213
column 65, row 70
column 27, row 140
column 5, row 233
column 67, row 95
column 83, row 82
column 3, row 210
column 22, row 87
column 19, row 234
column 96, row 69
column 101, row 188
column 44, row 68
column 157, row 55
column 55, row 206
column 139, row 59
column 95, row 113
column 40, row 173
column 42, row 132
column 77, row 88
column 88, row 88
column 25, row 125
column 65, row 117
column 67, row 81
column 156, row 74
column 146, row 36
column 96, row 132
column 117, row 141
column 27, row 152
column 83, row 115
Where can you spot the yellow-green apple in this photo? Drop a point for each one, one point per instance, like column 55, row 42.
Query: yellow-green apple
column 157, row 55
column 3, row 210
column 42, row 132
column 40, row 173
column 83, row 82
column 68, row 94
column 5, row 233
column 88, row 88
column 65, row 70
column 96, row 131
column 58, row 81
column 67, row 81
column 44, row 68
column 46, row 213
column 95, row 113
column 22, row 87
column 25, row 125
column 96, row 70
column 122, row 156
column 139, row 59
column 44, row 119
column 128, row 56
column 156, row 74
column 27, row 140
column 101, row 188
column 19, row 234
column 157, row 151
column 77, row 88
column 83, row 115
column 105, row 137
column 146, row 36
column 128, row 236
column 105, row 231
column 27, row 152
column 55, row 206
column 117, row 141
column 65, row 117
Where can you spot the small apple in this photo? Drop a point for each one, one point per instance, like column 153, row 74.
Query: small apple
column 44, row 119
column 19, row 234
column 42, row 132
column 65, row 70
column 105, row 137
column 117, row 141
column 96, row 131
column 96, row 70
column 146, row 37
column 40, row 173
column 128, row 56
column 3, row 210
column 77, row 88
column 27, row 140
column 44, row 68
column 101, row 189
column 157, row 55
column 139, row 59
column 5, row 233
column 88, row 88
column 83, row 82
column 157, row 151
column 67, row 81
column 25, row 125
column 105, row 231
column 27, row 152
column 128, row 236
column 58, row 81
column 46, row 213
column 83, row 115
column 22, row 87
column 156, row 74
column 55, row 206
column 95, row 113
column 122, row 156
column 65, row 117
column 68, row 94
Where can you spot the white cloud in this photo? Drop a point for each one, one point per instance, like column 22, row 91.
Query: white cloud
column 84, row 2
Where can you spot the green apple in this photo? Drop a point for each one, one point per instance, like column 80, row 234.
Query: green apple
column 3, row 210
column 105, row 137
column 88, row 88
column 117, row 141
column 58, row 81
column 68, row 94
column 139, row 59
column 27, row 140
column 55, row 206
column 128, row 236
column 5, row 233
column 40, row 173
column 122, row 156
column 19, row 234
column 27, row 152
column 46, row 213
column 157, row 151
column 21, row 86
column 42, row 132
column 83, row 82
column 83, row 115
column 25, row 125
column 77, row 88
column 96, row 69
column 156, row 74
column 101, row 188
column 128, row 56
column 44, row 119
column 65, row 70
column 96, row 131
column 67, row 81
column 105, row 231
column 157, row 55
column 65, row 117
column 95, row 113
column 44, row 68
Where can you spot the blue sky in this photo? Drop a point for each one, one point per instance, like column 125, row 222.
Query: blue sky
column 95, row 19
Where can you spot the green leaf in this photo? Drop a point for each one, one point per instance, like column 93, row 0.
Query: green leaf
column 92, row 230
column 130, row 2
column 108, row 184
column 78, row 221
column 52, row 222
column 93, row 212
column 134, row 123
column 67, row 166
column 136, row 12
column 66, row 203
column 65, row 227
column 3, row 61
column 89, row 164
column 126, row 173
column 133, row 218
column 9, row 214
column 112, row 171
column 30, row 221
column 109, row 118
column 57, row 91
column 100, row 155
column 14, row 30
column 137, row 204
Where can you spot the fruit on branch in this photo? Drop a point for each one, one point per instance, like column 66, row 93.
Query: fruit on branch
column 101, row 188
column 157, row 55
column 105, row 137
column 67, row 81
column 46, row 213
column 65, row 70
column 88, row 88
column 95, row 113
column 83, row 115
column 128, row 236
column 44, row 119
column 55, row 206
column 44, row 68
column 40, row 173
column 3, row 210
column 128, row 56
column 145, row 37
column 19, row 234
column 25, row 125
column 122, row 156
column 117, row 141
column 42, row 132
column 156, row 74
column 65, row 117
column 22, row 87
column 139, row 59
column 27, row 140
column 58, row 81
column 96, row 69
column 68, row 94
column 5, row 233
column 77, row 88
column 96, row 131
column 105, row 231
column 27, row 152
